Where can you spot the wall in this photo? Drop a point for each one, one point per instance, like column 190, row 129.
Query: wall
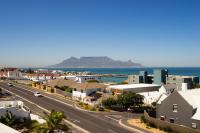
column 182, row 116
column 19, row 113
column 174, row 127
column 78, row 95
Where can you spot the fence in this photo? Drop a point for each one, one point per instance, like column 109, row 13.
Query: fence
column 170, row 126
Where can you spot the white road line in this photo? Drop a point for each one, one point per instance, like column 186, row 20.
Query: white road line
column 130, row 128
column 70, row 123
column 49, row 97
column 112, row 118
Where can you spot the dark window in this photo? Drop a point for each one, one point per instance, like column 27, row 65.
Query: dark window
column 81, row 91
column 171, row 120
column 162, row 118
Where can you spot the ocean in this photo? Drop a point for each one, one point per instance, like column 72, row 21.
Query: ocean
column 184, row 71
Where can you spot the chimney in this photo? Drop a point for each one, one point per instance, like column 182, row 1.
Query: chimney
column 184, row 86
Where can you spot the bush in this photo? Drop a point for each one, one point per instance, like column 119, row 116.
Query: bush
column 86, row 106
column 128, row 99
column 81, row 103
column 109, row 102
column 64, row 88
column 101, row 109
column 93, row 109
column 151, row 124
column 142, row 119
column 167, row 129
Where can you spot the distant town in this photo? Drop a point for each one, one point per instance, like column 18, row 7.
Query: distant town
column 159, row 101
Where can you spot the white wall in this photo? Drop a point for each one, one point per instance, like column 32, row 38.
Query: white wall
column 15, row 75
column 16, row 107
column 19, row 113
column 78, row 95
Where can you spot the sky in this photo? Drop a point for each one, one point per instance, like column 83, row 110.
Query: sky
column 37, row 33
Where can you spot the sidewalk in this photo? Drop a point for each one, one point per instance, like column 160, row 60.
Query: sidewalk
column 125, row 124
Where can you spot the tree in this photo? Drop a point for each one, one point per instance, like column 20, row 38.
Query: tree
column 128, row 99
column 109, row 102
column 8, row 119
column 53, row 123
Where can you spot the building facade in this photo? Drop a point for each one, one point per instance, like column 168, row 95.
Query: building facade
column 143, row 77
column 160, row 76
column 181, row 107
column 192, row 81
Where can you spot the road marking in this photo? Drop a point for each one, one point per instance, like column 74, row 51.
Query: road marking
column 130, row 128
column 70, row 123
column 112, row 118
column 49, row 97
column 76, row 121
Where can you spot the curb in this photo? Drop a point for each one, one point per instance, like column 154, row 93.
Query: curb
column 70, row 123
column 129, row 128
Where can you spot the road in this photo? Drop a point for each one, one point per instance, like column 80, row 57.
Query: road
column 85, row 120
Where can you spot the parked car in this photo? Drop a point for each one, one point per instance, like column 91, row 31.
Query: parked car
column 10, row 84
column 37, row 94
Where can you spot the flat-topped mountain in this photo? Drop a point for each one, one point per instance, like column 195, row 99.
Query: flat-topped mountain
column 94, row 62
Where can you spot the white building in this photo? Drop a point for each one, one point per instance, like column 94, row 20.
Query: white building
column 11, row 74
column 137, row 88
column 151, row 92
column 82, row 90
column 16, row 74
column 39, row 77
column 82, row 79
column 15, row 107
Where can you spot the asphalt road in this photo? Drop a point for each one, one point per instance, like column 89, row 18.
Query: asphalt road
column 90, row 122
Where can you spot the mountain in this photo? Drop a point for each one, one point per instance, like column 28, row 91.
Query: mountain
column 94, row 62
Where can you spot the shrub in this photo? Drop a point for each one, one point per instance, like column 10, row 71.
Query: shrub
column 93, row 109
column 109, row 102
column 167, row 129
column 101, row 109
column 86, row 106
column 152, row 125
column 142, row 119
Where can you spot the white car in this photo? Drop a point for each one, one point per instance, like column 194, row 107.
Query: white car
column 37, row 94
column 9, row 84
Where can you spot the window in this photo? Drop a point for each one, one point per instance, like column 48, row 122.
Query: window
column 175, row 108
column 162, row 118
column 171, row 120
column 81, row 91
column 194, row 125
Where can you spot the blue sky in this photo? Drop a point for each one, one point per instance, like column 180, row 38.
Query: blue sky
column 150, row 32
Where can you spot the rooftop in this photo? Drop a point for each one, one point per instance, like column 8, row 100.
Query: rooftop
column 180, row 76
column 132, row 86
column 193, row 98
column 61, row 82
column 86, row 86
